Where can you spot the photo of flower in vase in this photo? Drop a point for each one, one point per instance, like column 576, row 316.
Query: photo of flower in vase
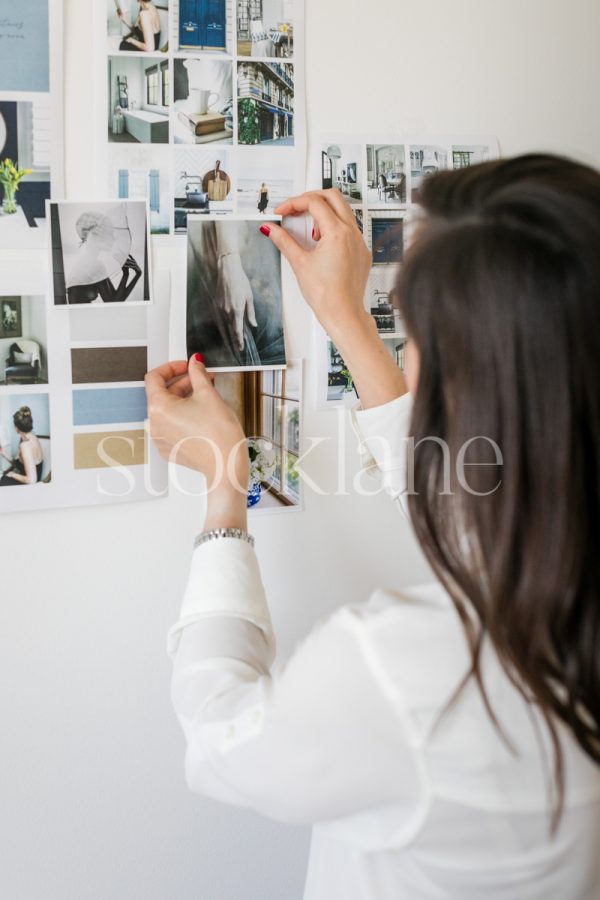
column 24, row 185
column 340, row 385
column 203, row 101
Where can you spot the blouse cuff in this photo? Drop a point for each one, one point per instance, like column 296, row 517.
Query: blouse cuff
column 224, row 581
column 382, row 433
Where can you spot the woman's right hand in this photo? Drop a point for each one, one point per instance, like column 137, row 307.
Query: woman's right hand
column 333, row 276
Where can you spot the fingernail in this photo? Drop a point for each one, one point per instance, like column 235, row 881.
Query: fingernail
column 314, row 235
column 265, row 230
column 198, row 357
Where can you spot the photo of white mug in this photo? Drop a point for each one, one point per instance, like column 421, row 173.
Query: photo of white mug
column 200, row 102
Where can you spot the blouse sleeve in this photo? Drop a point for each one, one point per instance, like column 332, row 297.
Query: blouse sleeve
column 314, row 742
column 383, row 435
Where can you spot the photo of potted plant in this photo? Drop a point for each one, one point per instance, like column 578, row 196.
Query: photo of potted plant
column 10, row 179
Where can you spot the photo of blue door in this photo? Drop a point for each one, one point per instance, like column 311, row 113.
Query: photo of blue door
column 202, row 24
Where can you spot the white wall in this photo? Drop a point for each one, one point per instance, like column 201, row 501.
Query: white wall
column 92, row 799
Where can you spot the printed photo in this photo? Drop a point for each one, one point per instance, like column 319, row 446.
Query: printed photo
column 23, row 341
column 464, row 156
column 265, row 179
column 265, row 103
column 386, row 237
column 265, row 28
column 396, row 347
column 137, row 27
column 24, row 440
column 425, row 160
column 142, row 173
column 25, row 142
column 200, row 25
column 340, row 384
column 341, row 168
column 359, row 216
column 139, row 95
column 203, row 184
column 24, row 38
column 386, row 175
column 381, row 300
column 203, row 105
column 269, row 406
column 99, row 253
column 234, row 298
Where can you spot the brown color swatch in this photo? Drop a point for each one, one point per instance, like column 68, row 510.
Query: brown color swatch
column 94, row 365
column 105, row 449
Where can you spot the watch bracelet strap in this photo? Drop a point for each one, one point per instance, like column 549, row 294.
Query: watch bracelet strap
column 216, row 533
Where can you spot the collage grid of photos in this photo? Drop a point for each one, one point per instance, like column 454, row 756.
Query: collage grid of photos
column 203, row 102
column 381, row 180
column 31, row 156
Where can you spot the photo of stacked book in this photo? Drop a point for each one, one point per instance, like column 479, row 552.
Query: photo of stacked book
column 205, row 128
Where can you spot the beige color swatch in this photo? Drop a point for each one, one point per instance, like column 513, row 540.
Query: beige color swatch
column 105, row 449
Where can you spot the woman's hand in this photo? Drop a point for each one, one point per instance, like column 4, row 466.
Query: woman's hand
column 192, row 426
column 333, row 276
column 234, row 295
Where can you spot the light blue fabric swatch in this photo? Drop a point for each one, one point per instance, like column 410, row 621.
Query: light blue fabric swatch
column 107, row 406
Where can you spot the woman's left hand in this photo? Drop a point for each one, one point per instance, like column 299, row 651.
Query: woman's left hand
column 192, row 425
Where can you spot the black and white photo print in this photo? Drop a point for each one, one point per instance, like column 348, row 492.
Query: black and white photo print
column 234, row 299
column 99, row 253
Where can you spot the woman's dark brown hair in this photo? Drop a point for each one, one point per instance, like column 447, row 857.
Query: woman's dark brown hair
column 501, row 294
column 23, row 419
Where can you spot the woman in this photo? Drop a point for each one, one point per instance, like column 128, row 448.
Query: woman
column 145, row 31
column 444, row 741
column 263, row 200
column 26, row 467
column 102, row 257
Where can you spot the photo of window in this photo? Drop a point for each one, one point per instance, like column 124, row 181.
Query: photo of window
column 265, row 103
column 137, row 27
column 203, row 101
column 24, row 441
column 396, row 347
column 138, row 100
column 265, row 28
column 269, row 406
column 464, row 156
column 265, row 179
column 141, row 172
column 23, row 341
column 202, row 184
column 341, row 168
column 234, row 296
column 100, row 253
column 202, row 25
column 425, row 160
column 25, row 138
column 386, row 174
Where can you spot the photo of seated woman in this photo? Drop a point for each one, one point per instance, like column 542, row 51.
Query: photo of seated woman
column 137, row 27
column 24, row 440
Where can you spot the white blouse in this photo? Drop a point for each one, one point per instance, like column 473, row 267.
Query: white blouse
column 406, row 804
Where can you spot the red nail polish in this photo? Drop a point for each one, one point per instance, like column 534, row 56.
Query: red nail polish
column 265, row 230
column 198, row 357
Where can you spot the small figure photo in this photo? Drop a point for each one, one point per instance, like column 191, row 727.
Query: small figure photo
column 137, row 27
column 24, row 440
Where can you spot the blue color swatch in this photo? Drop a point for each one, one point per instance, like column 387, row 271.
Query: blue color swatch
column 108, row 406
column 24, row 47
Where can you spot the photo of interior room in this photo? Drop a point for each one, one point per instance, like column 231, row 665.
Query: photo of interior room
column 202, row 184
column 464, row 155
column 25, row 138
column 142, row 173
column 385, row 237
column 265, row 28
column 125, row 29
column 203, row 101
column 138, row 99
column 266, row 103
column 381, row 300
column 386, row 175
column 341, row 168
column 269, row 406
column 33, row 413
column 23, row 342
column 425, row 159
